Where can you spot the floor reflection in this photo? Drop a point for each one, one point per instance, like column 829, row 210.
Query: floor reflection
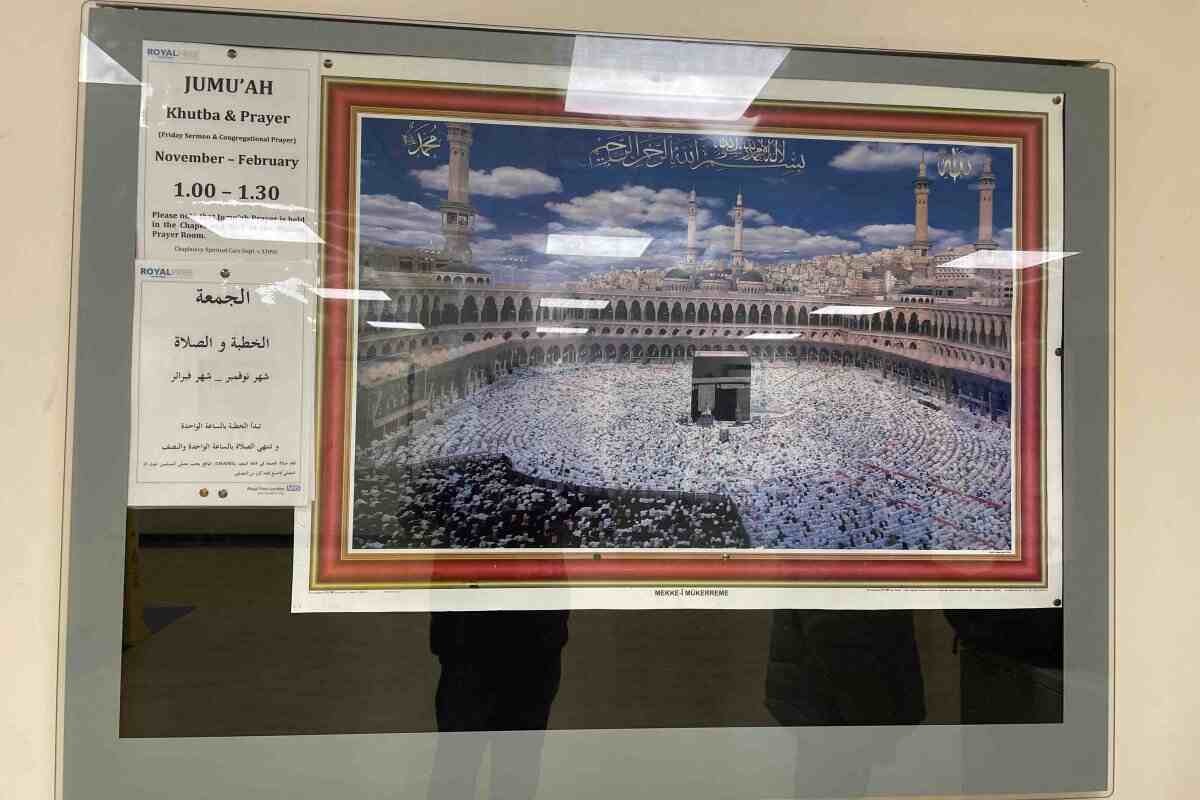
column 844, row 668
column 239, row 663
column 500, row 673
column 1011, row 664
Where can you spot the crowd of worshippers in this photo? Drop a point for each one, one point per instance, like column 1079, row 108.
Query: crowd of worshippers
column 481, row 501
column 842, row 458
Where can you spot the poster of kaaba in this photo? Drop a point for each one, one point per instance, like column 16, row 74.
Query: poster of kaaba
column 574, row 356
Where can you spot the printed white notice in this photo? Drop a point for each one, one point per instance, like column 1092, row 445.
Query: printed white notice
column 219, row 403
column 228, row 153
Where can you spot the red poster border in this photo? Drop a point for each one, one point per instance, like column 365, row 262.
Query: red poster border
column 333, row 569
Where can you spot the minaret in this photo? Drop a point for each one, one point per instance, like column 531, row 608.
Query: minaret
column 457, row 214
column 920, row 243
column 692, row 251
column 987, row 186
column 738, row 258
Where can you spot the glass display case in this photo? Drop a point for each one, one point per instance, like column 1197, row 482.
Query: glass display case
column 521, row 414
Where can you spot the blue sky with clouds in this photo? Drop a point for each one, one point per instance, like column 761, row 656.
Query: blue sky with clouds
column 528, row 181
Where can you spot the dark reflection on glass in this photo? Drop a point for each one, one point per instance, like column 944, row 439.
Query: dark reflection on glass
column 500, row 673
column 844, row 668
column 1011, row 665
column 212, row 649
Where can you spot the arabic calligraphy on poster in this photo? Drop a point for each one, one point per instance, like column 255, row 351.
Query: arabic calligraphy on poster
column 648, row 150
column 218, row 389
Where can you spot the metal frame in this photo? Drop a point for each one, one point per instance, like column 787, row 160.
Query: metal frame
column 1071, row 758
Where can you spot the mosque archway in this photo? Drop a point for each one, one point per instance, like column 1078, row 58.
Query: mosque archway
column 470, row 312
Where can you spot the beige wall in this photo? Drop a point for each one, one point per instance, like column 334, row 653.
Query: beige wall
column 1158, row 389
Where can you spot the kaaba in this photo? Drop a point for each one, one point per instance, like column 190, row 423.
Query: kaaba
column 721, row 386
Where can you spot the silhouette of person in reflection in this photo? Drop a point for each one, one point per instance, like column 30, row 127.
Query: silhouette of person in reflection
column 1010, row 664
column 844, row 668
column 500, row 674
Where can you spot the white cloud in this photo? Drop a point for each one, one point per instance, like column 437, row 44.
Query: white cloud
column 1004, row 238
column 509, row 259
column 882, row 156
column 631, row 206
column 891, row 235
column 604, row 230
column 505, row 182
column 499, row 249
column 753, row 216
column 485, row 249
column 386, row 219
column 950, row 242
column 775, row 243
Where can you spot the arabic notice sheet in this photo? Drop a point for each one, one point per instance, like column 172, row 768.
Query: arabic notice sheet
column 219, row 360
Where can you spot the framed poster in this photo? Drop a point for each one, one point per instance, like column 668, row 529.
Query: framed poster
column 812, row 558
column 800, row 354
